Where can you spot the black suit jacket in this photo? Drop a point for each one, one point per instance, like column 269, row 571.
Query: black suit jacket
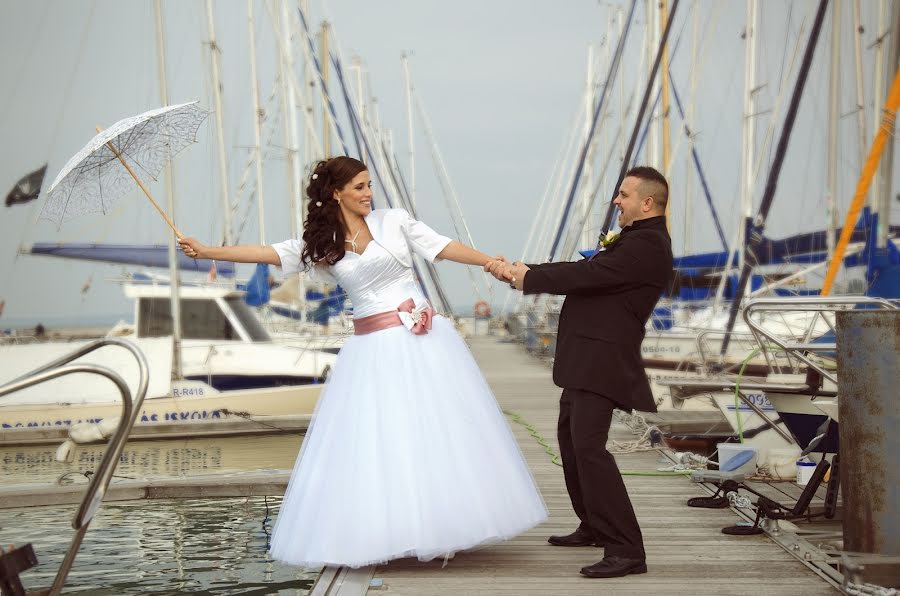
column 609, row 299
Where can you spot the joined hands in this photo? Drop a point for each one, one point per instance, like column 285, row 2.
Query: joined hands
column 511, row 273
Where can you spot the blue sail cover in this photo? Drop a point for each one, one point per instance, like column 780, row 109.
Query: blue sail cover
column 258, row 286
column 806, row 248
column 696, row 276
column 152, row 255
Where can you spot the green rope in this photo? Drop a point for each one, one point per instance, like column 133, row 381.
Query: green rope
column 737, row 392
column 737, row 388
column 554, row 457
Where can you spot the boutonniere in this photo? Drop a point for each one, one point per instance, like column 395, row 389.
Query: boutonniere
column 606, row 239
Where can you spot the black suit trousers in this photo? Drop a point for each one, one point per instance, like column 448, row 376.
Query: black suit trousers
column 592, row 477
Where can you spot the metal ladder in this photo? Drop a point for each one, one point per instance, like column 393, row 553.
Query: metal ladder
column 14, row 561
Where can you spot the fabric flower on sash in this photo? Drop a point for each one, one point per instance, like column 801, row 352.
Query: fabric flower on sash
column 416, row 318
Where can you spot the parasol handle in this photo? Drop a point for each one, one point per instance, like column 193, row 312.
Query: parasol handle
column 143, row 188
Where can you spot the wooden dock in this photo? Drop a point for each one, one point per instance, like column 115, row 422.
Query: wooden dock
column 686, row 550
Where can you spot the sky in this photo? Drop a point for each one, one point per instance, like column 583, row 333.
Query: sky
column 503, row 83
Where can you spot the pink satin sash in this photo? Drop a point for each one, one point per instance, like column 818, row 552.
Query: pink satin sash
column 421, row 319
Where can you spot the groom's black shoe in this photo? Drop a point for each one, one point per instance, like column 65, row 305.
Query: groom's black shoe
column 612, row 566
column 580, row 537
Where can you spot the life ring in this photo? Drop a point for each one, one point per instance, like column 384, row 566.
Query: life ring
column 482, row 309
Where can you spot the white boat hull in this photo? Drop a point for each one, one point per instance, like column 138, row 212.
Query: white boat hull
column 195, row 405
column 742, row 418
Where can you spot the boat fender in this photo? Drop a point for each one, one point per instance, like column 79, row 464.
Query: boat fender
column 782, row 463
column 91, row 432
column 65, row 453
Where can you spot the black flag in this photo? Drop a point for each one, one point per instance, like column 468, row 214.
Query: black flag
column 27, row 188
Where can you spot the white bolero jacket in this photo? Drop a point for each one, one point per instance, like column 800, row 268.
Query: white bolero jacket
column 393, row 229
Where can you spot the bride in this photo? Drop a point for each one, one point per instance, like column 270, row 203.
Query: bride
column 408, row 453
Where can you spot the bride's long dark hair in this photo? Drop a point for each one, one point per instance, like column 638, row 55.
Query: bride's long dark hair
column 323, row 232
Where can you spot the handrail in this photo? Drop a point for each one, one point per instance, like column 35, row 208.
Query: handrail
column 130, row 409
column 808, row 304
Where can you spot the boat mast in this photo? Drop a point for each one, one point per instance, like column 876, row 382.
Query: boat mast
column 860, row 97
column 664, row 73
column 310, row 142
column 589, row 99
column 289, row 109
column 620, row 19
column 831, row 193
column 886, row 169
column 409, row 127
column 220, row 130
column 323, row 52
column 257, row 123
column 357, row 67
column 878, row 78
column 749, row 128
column 652, row 43
column 689, row 170
column 747, row 154
column 169, row 174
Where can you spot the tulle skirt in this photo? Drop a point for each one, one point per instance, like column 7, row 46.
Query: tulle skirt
column 408, row 455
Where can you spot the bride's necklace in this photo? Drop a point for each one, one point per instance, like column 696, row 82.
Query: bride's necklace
column 352, row 242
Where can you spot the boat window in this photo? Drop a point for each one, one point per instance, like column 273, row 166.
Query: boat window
column 248, row 319
column 200, row 319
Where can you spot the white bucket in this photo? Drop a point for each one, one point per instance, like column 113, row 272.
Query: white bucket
column 805, row 470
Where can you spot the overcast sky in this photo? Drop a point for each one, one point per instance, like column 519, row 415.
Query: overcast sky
column 502, row 81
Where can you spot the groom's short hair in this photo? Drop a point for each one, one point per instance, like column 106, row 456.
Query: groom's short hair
column 653, row 184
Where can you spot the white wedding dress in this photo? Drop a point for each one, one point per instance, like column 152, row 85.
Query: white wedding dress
column 408, row 453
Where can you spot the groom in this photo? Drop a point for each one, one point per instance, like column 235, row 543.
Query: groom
column 609, row 298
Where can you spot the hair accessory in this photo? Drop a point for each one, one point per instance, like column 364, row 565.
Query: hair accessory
column 318, row 203
column 315, row 176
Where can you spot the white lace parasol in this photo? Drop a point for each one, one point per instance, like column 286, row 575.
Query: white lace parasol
column 99, row 174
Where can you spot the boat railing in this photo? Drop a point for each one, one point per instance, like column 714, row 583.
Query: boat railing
column 802, row 349
column 103, row 474
column 703, row 337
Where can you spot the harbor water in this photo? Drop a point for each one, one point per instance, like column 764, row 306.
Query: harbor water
column 201, row 546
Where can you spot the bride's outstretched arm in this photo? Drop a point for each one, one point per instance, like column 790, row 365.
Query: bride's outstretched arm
column 242, row 253
column 460, row 253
